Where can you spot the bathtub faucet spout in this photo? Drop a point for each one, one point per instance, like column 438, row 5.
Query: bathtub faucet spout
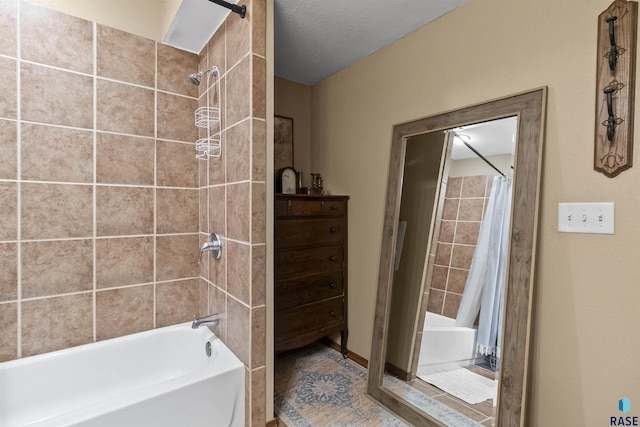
column 212, row 319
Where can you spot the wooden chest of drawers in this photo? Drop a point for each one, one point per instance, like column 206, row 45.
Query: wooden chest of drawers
column 310, row 269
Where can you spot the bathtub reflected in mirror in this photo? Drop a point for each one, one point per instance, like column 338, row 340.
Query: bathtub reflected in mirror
column 449, row 271
column 446, row 300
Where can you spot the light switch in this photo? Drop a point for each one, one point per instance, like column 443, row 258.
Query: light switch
column 594, row 218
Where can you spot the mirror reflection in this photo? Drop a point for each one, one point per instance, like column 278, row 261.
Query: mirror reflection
column 448, row 283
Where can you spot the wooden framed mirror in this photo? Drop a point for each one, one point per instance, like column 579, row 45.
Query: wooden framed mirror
column 528, row 109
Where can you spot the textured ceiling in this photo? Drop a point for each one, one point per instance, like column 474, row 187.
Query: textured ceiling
column 317, row 38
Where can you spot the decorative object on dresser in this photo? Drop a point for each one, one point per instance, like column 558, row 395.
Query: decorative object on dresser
column 310, row 269
column 287, row 181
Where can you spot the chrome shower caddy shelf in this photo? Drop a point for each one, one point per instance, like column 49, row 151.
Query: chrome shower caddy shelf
column 208, row 117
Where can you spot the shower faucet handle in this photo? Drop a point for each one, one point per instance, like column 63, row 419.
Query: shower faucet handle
column 214, row 244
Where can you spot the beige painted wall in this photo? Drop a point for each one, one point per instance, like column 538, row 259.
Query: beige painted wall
column 585, row 336
column 294, row 100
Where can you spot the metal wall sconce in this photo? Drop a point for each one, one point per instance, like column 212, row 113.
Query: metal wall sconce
column 615, row 87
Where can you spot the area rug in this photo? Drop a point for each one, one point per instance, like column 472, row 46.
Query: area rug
column 463, row 384
column 316, row 387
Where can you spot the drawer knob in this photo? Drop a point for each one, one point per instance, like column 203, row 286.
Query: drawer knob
column 332, row 285
column 333, row 229
column 334, row 208
column 333, row 313
column 332, row 257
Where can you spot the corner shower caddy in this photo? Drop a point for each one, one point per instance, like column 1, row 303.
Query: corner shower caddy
column 208, row 117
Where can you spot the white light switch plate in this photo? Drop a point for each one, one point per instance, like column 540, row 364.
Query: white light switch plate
column 594, row 218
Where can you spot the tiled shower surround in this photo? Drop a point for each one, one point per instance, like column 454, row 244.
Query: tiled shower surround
column 103, row 206
column 462, row 213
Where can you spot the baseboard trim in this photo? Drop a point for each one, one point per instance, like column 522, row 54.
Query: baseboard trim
column 273, row 423
column 397, row 372
column 350, row 354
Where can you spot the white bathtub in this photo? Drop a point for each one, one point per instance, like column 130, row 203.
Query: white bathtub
column 444, row 343
column 159, row 378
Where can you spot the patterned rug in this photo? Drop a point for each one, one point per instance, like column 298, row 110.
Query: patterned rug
column 316, row 387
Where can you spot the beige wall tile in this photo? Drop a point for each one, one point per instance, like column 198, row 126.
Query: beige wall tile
column 8, row 17
column 443, row 254
column 203, row 210
column 176, row 257
column 462, row 256
column 218, row 305
column 258, row 213
column 176, row 302
column 126, row 57
column 473, row 186
column 217, row 209
column 215, row 50
column 258, row 275
column 124, row 159
column 176, row 165
column 8, row 149
column 54, row 38
column 239, row 270
column 467, row 232
column 217, row 167
column 239, row 330
column 55, row 323
column 258, row 18
column 450, row 209
column 176, row 211
column 258, row 336
column 8, row 89
column 51, row 211
column 454, row 187
column 436, row 301
column 447, row 231
column 122, row 211
column 238, row 151
column 258, row 395
column 68, row 102
column 123, row 108
column 9, row 335
column 123, row 311
column 451, row 305
column 176, row 117
column 439, row 278
column 218, row 267
column 239, row 86
column 8, row 211
column 174, row 67
column 259, row 87
column 8, row 272
column 124, row 261
column 238, row 211
column 259, row 150
column 238, row 34
column 457, row 280
column 56, row 154
column 470, row 210
column 56, row 267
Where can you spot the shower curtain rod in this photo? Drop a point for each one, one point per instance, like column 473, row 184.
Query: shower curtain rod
column 240, row 10
column 477, row 153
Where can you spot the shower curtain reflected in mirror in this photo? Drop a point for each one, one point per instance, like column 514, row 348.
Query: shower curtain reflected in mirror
column 484, row 288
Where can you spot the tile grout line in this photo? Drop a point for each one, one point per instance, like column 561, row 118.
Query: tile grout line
column 18, row 185
column 95, row 180
column 155, row 183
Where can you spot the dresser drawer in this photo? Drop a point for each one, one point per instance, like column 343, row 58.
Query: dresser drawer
column 307, row 232
column 308, row 318
column 305, row 289
column 334, row 207
column 302, row 207
column 291, row 262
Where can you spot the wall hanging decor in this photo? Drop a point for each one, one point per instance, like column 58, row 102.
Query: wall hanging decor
column 615, row 87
